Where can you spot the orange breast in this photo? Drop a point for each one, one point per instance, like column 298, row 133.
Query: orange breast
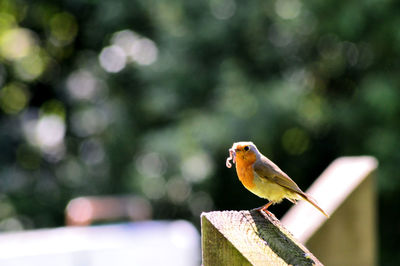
column 244, row 170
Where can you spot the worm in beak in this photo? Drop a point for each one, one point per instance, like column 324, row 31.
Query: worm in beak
column 232, row 156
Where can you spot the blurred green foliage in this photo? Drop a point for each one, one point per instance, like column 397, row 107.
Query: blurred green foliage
column 145, row 97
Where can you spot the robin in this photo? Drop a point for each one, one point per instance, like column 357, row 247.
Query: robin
column 264, row 178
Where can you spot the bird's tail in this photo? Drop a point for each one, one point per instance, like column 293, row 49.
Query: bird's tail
column 313, row 202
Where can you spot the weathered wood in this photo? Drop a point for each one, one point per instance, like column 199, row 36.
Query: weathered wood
column 346, row 190
column 249, row 238
column 351, row 232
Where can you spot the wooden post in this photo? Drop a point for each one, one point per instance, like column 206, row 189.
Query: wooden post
column 249, row 238
column 346, row 190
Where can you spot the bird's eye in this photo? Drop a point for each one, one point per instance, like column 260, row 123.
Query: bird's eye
column 246, row 148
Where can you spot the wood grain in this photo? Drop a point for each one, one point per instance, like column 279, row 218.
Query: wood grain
column 250, row 238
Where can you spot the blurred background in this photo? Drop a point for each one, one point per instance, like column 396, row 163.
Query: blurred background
column 142, row 99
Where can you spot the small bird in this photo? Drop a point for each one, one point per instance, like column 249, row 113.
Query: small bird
column 264, row 178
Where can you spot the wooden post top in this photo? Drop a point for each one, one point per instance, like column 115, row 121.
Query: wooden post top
column 250, row 238
column 330, row 190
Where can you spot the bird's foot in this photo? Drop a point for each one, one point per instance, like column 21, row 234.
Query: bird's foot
column 258, row 209
column 264, row 209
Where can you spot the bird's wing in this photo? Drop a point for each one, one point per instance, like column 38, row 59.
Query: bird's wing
column 265, row 168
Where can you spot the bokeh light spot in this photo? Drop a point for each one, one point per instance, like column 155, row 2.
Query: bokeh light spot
column 311, row 111
column 144, row 52
column 178, row 190
column 112, row 59
column 80, row 211
column 197, row 167
column 89, row 121
column 295, row 141
column 288, row 9
column 63, row 29
column 50, row 132
column 82, row 85
column 31, row 66
column 16, row 43
column 223, row 9
column 153, row 188
column 125, row 39
column 151, row 164
column 136, row 48
column 11, row 224
column 13, row 98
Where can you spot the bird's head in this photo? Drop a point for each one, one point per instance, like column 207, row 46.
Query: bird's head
column 244, row 150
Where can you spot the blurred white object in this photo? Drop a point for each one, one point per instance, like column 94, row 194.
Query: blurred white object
column 140, row 243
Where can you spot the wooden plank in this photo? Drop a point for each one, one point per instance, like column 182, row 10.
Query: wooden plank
column 346, row 190
column 351, row 231
column 330, row 190
column 249, row 238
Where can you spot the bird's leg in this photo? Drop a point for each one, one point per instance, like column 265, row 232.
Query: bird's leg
column 264, row 208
